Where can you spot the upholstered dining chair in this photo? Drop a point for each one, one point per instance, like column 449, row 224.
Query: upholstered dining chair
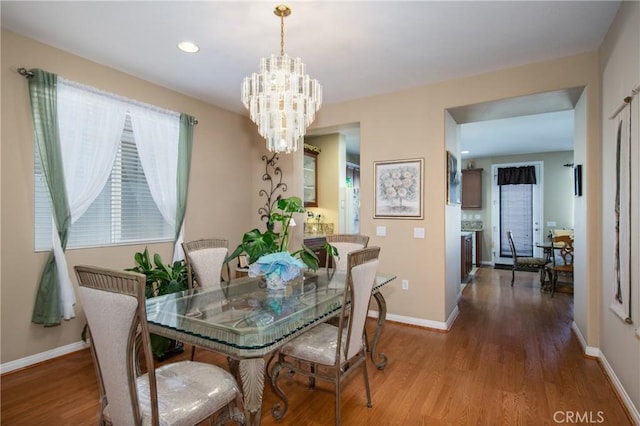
column 525, row 263
column 345, row 243
column 205, row 262
column 180, row 393
column 561, row 259
column 328, row 352
column 206, row 268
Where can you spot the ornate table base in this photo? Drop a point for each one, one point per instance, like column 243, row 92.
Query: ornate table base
column 382, row 315
column 250, row 374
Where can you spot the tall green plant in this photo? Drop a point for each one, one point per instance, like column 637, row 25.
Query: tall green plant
column 161, row 279
column 256, row 243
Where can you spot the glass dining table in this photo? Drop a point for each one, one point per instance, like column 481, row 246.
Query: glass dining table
column 247, row 322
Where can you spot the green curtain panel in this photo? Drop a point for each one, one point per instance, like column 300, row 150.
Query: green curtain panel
column 43, row 97
column 185, row 146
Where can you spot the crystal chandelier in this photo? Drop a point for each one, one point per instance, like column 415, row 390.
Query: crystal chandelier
column 282, row 100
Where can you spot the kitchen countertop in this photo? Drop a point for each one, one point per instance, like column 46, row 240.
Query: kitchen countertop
column 312, row 236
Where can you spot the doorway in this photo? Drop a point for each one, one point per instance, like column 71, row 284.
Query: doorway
column 338, row 163
column 518, row 208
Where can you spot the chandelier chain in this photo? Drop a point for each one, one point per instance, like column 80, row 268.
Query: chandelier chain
column 281, row 35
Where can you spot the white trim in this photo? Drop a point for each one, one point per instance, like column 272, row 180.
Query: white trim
column 611, row 374
column 41, row 357
column 588, row 350
column 622, row 393
column 438, row 325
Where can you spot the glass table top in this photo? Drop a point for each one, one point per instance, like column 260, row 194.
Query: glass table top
column 245, row 319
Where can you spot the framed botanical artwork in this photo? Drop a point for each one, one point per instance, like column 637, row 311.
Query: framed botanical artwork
column 398, row 186
column 454, row 179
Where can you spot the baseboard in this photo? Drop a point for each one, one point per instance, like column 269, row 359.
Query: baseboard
column 41, row 357
column 632, row 410
column 437, row 325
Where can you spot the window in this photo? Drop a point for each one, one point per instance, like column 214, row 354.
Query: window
column 516, row 205
column 123, row 213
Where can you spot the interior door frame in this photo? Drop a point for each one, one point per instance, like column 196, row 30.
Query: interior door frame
column 537, row 213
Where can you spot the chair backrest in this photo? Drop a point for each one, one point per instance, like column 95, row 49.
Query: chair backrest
column 565, row 250
column 345, row 244
column 205, row 260
column 362, row 266
column 512, row 246
column 114, row 304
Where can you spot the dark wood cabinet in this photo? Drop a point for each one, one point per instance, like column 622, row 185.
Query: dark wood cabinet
column 466, row 256
column 317, row 246
column 472, row 189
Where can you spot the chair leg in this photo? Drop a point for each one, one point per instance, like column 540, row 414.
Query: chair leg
column 278, row 409
column 542, row 274
column 366, row 382
column 312, row 379
column 193, row 352
column 513, row 275
column 554, row 281
column 338, row 386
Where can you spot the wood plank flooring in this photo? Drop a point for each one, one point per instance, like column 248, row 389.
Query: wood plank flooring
column 510, row 359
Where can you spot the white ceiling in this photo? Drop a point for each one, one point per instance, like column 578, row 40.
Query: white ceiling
column 355, row 49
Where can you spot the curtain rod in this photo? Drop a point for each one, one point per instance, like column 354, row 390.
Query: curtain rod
column 28, row 74
column 625, row 101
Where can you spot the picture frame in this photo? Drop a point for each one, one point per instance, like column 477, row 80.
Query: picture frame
column 398, row 189
column 454, row 180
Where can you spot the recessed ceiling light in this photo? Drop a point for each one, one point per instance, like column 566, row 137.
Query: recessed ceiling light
column 187, row 46
column 464, row 152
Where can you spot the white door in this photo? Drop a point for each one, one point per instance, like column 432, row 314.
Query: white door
column 525, row 219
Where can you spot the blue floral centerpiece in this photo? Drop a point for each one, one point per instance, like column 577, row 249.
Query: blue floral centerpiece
column 278, row 268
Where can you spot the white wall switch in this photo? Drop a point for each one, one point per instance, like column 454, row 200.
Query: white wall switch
column 551, row 224
column 381, row 231
column 418, row 232
column 405, row 284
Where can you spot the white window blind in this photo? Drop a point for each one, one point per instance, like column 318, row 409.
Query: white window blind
column 124, row 212
column 516, row 210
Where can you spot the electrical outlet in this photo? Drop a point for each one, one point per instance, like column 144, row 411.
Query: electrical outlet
column 381, row 231
column 405, row 284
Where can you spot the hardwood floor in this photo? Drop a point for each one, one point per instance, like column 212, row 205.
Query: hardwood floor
column 510, row 358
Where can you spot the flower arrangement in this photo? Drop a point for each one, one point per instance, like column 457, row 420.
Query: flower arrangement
column 398, row 184
column 278, row 268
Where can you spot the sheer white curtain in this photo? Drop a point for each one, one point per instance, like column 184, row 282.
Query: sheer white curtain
column 90, row 125
column 157, row 134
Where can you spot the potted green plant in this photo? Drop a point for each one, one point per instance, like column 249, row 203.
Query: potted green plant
column 161, row 279
column 257, row 244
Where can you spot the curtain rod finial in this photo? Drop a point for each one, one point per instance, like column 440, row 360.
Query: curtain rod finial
column 25, row 73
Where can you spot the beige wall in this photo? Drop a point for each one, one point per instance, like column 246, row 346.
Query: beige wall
column 558, row 200
column 620, row 66
column 221, row 176
column 411, row 124
column 408, row 124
